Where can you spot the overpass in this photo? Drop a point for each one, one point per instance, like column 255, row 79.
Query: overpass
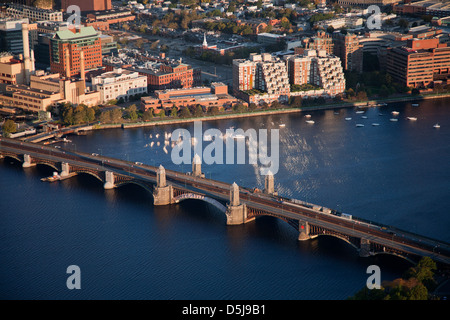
column 239, row 204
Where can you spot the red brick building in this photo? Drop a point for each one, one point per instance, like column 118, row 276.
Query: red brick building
column 419, row 63
column 74, row 41
column 87, row 5
column 172, row 76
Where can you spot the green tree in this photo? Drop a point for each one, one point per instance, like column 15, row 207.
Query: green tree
column 105, row 116
column 132, row 112
column 174, row 112
column 66, row 114
column 185, row 113
column 198, row 111
column 79, row 114
column 90, row 114
column 239, row 108
column 214, row 110
column 116, row 115
column 9, row 126
column 147, row 115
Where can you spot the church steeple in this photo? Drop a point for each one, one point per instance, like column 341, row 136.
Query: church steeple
column 205, row 44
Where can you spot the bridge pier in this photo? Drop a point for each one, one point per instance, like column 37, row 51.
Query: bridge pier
column 236, row 212
column 163, row 193
column 303, row 228
column 109, row 184
column 27, row 161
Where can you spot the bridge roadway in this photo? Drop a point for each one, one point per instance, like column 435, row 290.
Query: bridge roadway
column 273, row 205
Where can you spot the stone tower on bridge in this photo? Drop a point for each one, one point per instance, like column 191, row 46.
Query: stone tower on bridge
column 163, row 193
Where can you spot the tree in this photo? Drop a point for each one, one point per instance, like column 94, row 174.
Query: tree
column 132, row 112
column 185, row 113
column 198, row 111
column 174, row 112
column 90, row 114
column 105, row 116
column 66, row 114
column 79, row 114
column 239, row 108
column 9, row 126
column 147, row 115
column 252, row 106
column 116, row 115
column 214, row 110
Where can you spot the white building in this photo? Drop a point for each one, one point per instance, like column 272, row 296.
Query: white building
column 119, row 84
column 33, row 13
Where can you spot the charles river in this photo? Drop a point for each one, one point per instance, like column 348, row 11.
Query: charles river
column 395, row 173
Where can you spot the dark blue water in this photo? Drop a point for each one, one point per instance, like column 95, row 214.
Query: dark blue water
column 396, row 173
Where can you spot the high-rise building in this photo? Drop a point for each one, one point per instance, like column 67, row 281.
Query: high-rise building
column 348, row 48
column 65, row 49
column 419, row 63
column 264, row 73
column 11, row 36
column 318, row 68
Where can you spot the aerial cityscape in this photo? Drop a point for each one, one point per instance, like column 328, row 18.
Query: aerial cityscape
column 224, row 150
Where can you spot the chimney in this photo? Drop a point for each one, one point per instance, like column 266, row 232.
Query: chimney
column 33, row 61
column 26, row 52
column 82, row 71
column 67, row 62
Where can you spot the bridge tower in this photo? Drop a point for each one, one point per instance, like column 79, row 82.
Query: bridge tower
column 197, row 167
column 65, row 169
column 109, row 184
column 303, row 228
column 269, row 186
column 364, row 250
column 163, row 193
column 236, row 212
column 27, row 161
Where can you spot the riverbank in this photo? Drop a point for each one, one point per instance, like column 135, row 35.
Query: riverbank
column 334, row 106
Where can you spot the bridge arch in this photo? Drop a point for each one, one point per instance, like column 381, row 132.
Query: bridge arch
column 395, row 255
column 95, row 175
column 47, row 164
column 137, row 183
column 193, row 196
column 13, row 157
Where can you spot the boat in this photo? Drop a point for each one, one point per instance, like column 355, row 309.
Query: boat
column 360, row 111
column 308, row 116
column 364, row 117
column 348, row 119
column 437, row 126
column 393, row 120
column 375, row 124
column 412, row 118
column 415, row 104
column 360, row 125
column 53, row 178
column 395, row 113
column 310, row 121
